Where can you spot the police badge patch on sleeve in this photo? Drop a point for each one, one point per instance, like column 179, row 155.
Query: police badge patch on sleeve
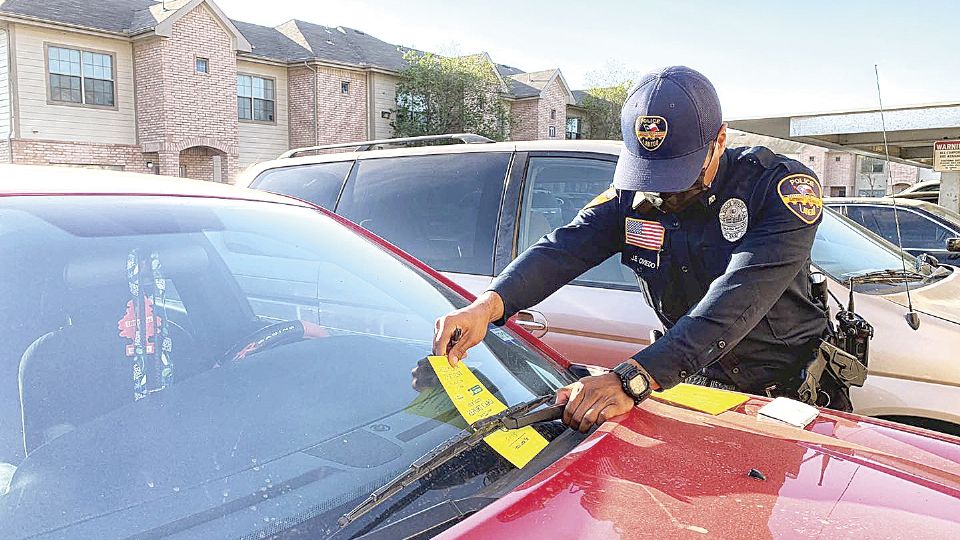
column 733, row 219
column 802, row 195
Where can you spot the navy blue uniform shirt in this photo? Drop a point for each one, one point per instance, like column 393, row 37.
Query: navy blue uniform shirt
column 729, row 275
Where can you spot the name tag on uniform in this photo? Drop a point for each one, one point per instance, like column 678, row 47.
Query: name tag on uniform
column 644, row 233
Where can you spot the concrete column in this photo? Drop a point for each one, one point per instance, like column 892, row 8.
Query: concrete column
column 950, row 190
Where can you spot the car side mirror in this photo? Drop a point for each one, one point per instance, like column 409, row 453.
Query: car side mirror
column 953, row 245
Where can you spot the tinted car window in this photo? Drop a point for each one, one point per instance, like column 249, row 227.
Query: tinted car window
column 556, row 189
column 319, row 183
column 919, row 232
column 285, row 439
column 443, row 209
column 916, row 231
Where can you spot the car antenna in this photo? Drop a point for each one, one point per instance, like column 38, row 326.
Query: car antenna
column 912, row 317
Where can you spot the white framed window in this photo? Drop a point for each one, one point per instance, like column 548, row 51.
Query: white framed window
column 344, row 87
column 256, row 100
column 552, row 131
column 203, row 65
column 80, row 77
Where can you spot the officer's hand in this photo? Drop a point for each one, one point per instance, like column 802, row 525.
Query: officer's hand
column 472, row 322
column 593, row 400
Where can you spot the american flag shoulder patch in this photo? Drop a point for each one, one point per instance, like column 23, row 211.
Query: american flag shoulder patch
column 644, row 233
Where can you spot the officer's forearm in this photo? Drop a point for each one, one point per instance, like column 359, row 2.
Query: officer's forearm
column 492, row 303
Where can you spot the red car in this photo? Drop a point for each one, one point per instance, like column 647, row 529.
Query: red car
column 195, row 360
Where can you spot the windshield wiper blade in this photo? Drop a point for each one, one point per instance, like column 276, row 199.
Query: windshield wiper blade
column 511, row 418
column 884, row 276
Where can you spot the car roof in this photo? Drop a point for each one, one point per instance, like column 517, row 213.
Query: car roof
column 926, row 185
column 926, row 206
column 886, row 201
column 562, row 145
column 58, row 180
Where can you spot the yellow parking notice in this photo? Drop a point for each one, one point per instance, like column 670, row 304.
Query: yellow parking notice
column 475, row 402
column 701, row 398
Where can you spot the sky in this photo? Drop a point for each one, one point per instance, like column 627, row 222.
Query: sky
column 765, row 58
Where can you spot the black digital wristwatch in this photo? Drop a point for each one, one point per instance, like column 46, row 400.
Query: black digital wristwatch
column 635, row 381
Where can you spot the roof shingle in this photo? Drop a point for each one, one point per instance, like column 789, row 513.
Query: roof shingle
column 269, row 42
column 111, row 15
column 294, row 41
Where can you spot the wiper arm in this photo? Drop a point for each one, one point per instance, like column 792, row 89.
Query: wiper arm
column 885, row 276
column 512, row 418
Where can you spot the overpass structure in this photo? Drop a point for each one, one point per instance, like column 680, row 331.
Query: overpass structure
column 911, row 133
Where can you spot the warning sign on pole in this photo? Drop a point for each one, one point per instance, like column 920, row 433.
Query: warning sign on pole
column 946, row 156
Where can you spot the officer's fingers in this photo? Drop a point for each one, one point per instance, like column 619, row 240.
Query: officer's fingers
column 468, row 339
column 574, row 398
column 441, row 337
column 590, row 416
column 586, row 408
column 563, row 396
column 615, row 407
column 610, row 410
column 605, row 413
column 437, row 335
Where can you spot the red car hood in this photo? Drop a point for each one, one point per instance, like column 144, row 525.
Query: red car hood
column 666, row 472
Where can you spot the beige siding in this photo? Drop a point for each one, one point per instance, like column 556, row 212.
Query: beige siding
column 40, row 120
column 4, row 86
column 259, row 141
column 384, row 99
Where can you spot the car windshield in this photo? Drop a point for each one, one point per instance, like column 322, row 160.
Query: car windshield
column 843, row 249
column 152, row 387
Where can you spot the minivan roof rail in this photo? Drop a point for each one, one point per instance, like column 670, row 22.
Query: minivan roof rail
column 363, row 146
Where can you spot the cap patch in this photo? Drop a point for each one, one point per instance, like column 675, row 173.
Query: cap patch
column 803, row 196
column 608, row 195
column 651, row 131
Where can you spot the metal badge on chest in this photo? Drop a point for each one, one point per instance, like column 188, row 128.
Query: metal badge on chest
column 733, row 219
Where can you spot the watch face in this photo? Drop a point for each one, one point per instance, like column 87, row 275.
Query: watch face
column 638, row 385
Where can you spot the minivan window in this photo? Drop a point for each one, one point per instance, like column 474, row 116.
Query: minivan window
column 443, row 209
column 556, row 189
column 319, row 183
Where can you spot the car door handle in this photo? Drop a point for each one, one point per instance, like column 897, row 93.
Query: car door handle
column 533, row 322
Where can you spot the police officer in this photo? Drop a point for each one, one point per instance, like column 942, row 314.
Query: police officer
column 720, row 239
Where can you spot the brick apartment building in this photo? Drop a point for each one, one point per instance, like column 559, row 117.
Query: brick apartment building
column 179, row 88
column 843, row 174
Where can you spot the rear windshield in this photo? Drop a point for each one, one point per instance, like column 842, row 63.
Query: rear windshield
column 443, row 209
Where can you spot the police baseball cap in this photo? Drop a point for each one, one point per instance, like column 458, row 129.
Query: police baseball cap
column 668, row 121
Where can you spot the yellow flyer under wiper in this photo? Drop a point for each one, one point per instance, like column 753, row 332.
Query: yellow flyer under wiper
column 475, row 402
